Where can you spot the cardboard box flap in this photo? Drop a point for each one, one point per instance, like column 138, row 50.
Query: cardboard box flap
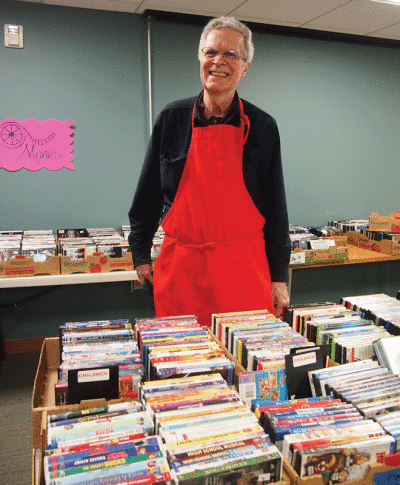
column 384, row 223
column 96, row 263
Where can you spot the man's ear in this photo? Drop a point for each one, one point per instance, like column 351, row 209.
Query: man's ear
column 246, row 69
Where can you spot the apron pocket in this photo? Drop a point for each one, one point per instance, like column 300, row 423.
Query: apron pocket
column 171, row 169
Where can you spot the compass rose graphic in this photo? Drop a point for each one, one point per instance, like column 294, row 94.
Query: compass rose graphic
column 12, row 135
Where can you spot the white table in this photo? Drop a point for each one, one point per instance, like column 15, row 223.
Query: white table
column 67, row 279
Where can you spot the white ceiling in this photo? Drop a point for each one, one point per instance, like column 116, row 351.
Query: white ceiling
column 359, row 17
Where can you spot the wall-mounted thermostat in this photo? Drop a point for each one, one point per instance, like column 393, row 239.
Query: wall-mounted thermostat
column 13, row 36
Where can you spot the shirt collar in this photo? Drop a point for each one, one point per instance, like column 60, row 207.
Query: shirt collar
column 232, row 118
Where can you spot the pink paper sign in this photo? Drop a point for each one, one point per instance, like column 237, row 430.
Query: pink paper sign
column 33, row 144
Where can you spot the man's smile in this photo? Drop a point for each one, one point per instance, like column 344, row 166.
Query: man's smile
column 220, row 74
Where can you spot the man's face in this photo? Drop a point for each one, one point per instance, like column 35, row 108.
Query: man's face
column 220, row 75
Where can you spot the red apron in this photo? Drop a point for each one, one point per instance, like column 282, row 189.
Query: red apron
column 213, row 256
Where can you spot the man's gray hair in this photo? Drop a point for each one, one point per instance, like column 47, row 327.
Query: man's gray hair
column 229, row 23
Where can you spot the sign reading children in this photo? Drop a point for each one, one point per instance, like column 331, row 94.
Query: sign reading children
column 33, row 145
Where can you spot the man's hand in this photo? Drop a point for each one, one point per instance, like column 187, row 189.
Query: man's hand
column 144, row 271
column 280, row 297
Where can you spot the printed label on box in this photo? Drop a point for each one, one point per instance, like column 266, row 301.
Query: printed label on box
column 298, row 258
column 94, row 375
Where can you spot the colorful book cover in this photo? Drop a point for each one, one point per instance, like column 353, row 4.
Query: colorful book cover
column 264, row 384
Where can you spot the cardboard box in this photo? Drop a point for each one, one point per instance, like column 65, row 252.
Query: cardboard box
column 352, row 237
column 38, row 475
column 43, row 389
column 392, row 248
column 40, row 440
column 384, row 223
column 43, row 401
column 24, row 266
column 331, row 363
column 340, row 241
column 238, row 367
column 96, row 263
column 317, row 479
column 43, row 396
column 334, row 254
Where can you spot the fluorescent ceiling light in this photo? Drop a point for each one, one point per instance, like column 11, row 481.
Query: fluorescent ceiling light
column 393, row 2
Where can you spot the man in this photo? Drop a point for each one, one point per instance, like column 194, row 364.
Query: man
column 213, row 175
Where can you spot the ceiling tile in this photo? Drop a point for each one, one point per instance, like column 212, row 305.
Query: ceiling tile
column 388, row 33
column 111, row 5
column 362, row 17
column 358, row 17
column 287, row 11
column 209, row 8
column 261, row 20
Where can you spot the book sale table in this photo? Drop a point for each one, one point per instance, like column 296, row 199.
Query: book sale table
column 365, row 272
column 70, row 279
column 356, row 256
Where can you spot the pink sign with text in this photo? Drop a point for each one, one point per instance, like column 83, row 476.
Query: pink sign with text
column 33, row 145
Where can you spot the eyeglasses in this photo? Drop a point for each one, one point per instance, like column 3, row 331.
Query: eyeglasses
column 212, row 53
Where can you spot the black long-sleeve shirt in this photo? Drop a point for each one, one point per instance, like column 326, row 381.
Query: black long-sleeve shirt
column 164, row 163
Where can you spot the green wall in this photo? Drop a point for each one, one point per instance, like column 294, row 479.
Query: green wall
column 337, row 103
column 89, row 66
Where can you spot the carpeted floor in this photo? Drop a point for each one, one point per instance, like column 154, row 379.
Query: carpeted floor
column 17, row 373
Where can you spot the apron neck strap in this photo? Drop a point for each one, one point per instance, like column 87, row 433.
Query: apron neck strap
column 244, row 120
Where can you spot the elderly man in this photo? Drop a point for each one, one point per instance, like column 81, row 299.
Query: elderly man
column 213, row 177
